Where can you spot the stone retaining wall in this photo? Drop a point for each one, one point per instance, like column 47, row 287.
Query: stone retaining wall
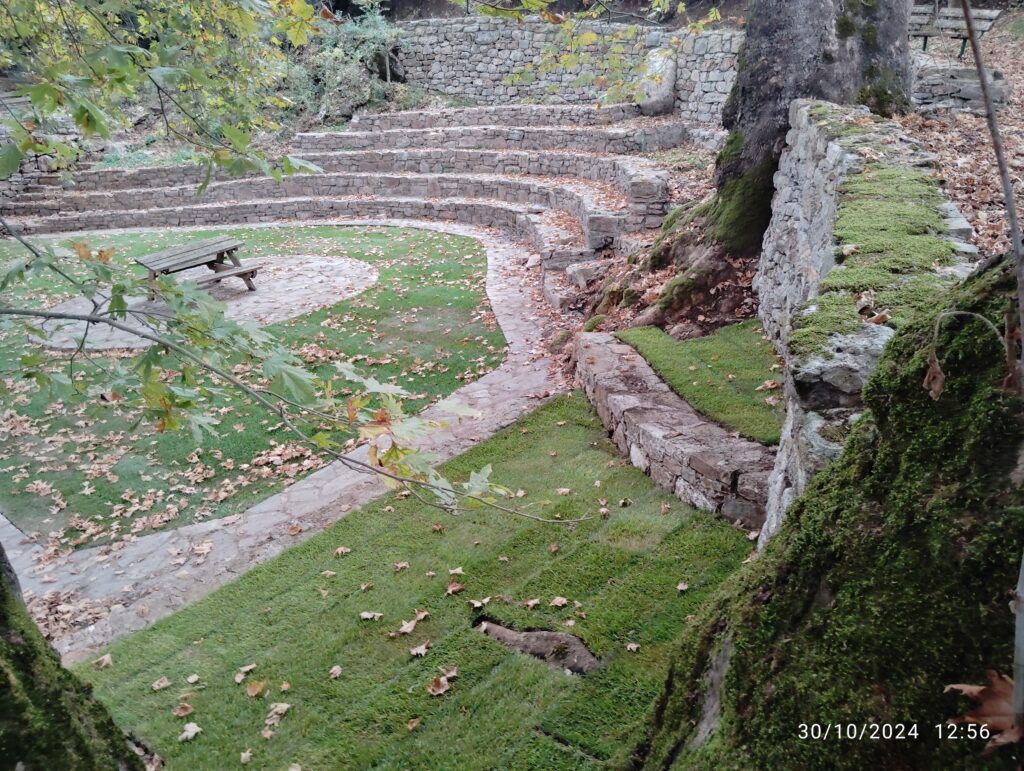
column 648, row 137
column 827, row 149
column 698, row 460
column 476, row 58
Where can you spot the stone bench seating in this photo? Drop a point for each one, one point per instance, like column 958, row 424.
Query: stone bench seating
column 505, row 115
column 541, row 230
column 601, row 221
column 640, row 180
column 623, row 138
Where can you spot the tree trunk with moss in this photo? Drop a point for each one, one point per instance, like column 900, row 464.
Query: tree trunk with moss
column 48, row 717
column 841, row 51
column 889, row 579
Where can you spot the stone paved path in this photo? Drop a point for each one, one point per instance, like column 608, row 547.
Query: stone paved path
column 145, row 580
column 286, row 286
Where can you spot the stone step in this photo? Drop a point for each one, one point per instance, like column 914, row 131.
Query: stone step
column 502, row 115
column 551, row 233
column 602, row 214
column 641, row 136
column 643, row 183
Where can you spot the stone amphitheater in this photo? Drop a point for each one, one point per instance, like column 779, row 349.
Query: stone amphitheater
column 565, row 182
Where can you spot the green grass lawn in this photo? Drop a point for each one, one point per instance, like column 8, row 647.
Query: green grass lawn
column 87, row 469
column 719, row 375
column 504, row 710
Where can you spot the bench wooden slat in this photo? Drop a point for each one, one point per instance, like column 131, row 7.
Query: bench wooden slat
column 195, row 252
column 960, row 26
column 243, row 270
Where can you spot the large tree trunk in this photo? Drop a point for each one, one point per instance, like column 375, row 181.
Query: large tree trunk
column 839, row 50
column 48, row 718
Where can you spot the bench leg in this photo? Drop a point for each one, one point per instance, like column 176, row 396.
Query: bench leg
column 963, row 47
column 925, row 46
column 246, row 278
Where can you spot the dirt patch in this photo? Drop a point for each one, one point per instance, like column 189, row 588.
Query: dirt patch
column 560, row 650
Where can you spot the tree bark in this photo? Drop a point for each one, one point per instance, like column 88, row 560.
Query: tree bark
column 839, row 50
column 48, row 717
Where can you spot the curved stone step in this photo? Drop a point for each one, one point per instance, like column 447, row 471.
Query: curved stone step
column 552, row 234
column 602, row 214
column 501, row 115
column 643, row 136
column 644, row 183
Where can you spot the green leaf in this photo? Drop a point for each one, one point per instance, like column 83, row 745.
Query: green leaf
column 291, row 382
column 10, row 160
column 238, row 139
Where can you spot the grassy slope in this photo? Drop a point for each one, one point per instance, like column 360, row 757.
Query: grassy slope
column 504, row 710
column 441, row 275
column 889, row 579
column 699, row 370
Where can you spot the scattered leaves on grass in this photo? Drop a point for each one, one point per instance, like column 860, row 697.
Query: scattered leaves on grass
column 553, row 548
column 413, row 724
column 479, row 603
column 192, row 679
column 531, row 604
column 502, row 558
column 437, row 686
column 161, row 683
column 666, row 508
column 254, row 688
column 369, row 615
column 341, row 551
column 190, row 732
column 245, row 757
column 437, row 527
column 632, row 647
column 400, row 566
column 182, row 710
column 328, row 574
column 335, row 672
column 558, row 602
column 103, row 661
column 420, row 650
column 682, row 586
column 285, row 686
column 454, row 587
column 455, row 571
column 367, row 585
column 563, row 491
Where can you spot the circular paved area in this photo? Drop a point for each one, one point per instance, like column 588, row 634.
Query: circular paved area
column 286, row 286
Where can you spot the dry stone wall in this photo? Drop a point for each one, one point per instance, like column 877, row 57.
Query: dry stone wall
column 830, row 151
column 476, row 58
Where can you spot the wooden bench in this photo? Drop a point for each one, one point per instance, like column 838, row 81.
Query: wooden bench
column 218, row 254
column 949, row 22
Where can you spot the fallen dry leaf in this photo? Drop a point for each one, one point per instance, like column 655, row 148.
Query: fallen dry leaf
column 558, row 602
column 450, row 672
column 341, row 551
column 531, row 604
column 437, row 686
column 190, row 732
column 161, row 683
column 285, row 686
column 682, row 586
column 192, row 679
column 994, row 708
column 267, row 733
column 182, row 710
column 420, row 650
column 243, row 671
column 254, row 688
column 563, row 491
column 454, row 587
column 413, row 723
column 455, row 571
column 553, row 548
column 367, row 585
column 369, row 615
column 103, row 661
column 335, row 672
column 632, row 647
column 328, row 574
column 400, row 566
column 245, row 757
column 277, row 711
column 479, row 603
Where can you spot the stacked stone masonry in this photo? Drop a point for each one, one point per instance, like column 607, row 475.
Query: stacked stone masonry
column 702, row 463
column 826, row 146
column 479, row 58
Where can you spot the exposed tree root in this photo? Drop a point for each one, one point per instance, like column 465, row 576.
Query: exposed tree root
column 558, row 649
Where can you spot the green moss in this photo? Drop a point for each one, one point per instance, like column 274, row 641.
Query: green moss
column 869, row 33
column 883, row 92
column 630, row 296
column 48, row 717
column 594, row 322
column 731, row 149
column 888, row 216
column 742, row 209
column 719, row 375
column 845, row 26
column 888, row 580
column 676, row 291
